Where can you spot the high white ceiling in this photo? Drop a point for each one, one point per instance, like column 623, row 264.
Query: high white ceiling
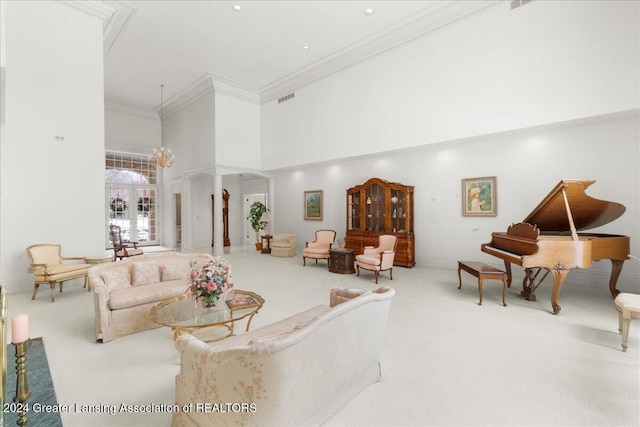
column 260, row 49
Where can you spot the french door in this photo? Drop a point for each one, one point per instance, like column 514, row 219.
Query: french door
column 134, row 208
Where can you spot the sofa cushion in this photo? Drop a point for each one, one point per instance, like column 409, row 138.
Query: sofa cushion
column 145, row 273
column 173, row 270
column 117, row 278
column 138, row 295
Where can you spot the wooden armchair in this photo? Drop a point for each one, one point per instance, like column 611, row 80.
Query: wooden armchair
column 120, row 248
column 47, row 263
column 380, row 258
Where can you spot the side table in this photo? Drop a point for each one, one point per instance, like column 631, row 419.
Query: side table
column 266, row 244
column 341, row 261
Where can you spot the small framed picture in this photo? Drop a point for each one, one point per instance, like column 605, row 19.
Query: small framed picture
column 479, row 196
column 313, row 205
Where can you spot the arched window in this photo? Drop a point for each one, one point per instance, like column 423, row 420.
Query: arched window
column 131, row 192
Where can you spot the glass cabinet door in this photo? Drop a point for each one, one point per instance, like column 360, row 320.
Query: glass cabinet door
column 353, row 211
column 375, row 208
column 398, row 208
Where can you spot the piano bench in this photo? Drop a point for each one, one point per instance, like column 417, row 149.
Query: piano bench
column 483, row 271
column 628, row 306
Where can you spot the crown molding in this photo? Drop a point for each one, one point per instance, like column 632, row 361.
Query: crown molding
column 128, row 109
column 436, row 16
column 230, row 88
column 114, row 15
column 117, row 23
column 98, row 9
column 190, row 94
column 201, row 87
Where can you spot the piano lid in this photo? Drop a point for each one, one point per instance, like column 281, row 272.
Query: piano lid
column 587, row 212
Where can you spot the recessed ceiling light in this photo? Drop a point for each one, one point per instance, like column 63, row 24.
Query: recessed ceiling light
column 368, row 12
column 237, row 8
column 306, row 48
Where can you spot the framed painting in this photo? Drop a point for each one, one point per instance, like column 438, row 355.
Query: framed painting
column 313, row 205
column 479, row 196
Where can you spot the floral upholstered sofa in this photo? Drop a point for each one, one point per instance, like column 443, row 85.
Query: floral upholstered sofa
column 298, row 371
column 125, row 291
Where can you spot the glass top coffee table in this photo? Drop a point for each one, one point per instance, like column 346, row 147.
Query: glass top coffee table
column 183, row 314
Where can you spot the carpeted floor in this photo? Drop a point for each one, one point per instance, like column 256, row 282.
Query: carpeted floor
column 445, row 360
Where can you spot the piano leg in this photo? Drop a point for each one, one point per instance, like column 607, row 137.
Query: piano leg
column 616, row 269
column 559, row 274
column 507, row 268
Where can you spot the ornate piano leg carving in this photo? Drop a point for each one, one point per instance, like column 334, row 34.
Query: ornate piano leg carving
column 529, row 284
column 559, row 273
column 616, row 269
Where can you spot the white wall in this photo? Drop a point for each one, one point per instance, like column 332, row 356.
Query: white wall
column 237, row 125
column 131, row 133
column 527, row 165
column 52, row 191
column 497, row 70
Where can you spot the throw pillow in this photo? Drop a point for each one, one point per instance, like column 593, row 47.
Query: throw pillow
column 117, row 278
column 145, row 273
column 176, row 270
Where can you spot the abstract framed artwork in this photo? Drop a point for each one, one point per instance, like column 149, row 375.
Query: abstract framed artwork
column 479, row 196
column 313, row 205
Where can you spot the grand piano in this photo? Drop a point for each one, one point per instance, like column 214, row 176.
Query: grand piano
column 547, row 241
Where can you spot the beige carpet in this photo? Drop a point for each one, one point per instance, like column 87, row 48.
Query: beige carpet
column 445, row 361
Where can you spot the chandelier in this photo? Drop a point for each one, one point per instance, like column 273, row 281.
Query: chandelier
column 163, row 157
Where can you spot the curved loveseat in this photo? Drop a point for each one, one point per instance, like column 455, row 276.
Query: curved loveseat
column 298, row 371
column 125, row 291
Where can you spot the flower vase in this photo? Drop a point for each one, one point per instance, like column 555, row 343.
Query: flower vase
column 209, row 302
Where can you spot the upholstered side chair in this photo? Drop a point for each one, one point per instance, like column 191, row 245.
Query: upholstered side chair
column 319, row 248
column 378, row 258
column 47, row 264
column 120, row 248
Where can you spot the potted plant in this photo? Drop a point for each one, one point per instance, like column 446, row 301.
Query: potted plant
column 255, row 217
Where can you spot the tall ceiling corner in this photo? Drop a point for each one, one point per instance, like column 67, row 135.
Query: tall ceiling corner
column 115, row 16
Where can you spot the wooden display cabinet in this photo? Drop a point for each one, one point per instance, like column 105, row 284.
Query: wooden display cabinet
column 380, row 207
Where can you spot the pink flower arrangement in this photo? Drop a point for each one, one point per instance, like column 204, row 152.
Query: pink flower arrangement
column 211, row 281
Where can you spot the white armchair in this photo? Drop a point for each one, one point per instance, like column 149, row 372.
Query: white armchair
column 379, row 258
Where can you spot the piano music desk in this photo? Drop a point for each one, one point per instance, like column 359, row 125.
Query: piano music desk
column 483, row 271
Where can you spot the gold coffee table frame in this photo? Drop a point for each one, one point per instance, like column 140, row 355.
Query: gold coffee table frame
column 184, row 315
